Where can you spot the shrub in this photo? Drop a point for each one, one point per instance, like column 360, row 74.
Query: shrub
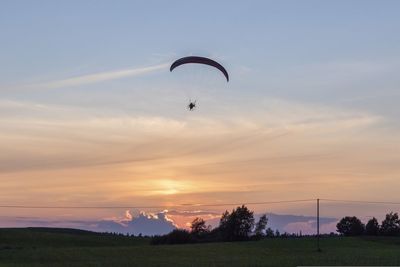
column 177, row 236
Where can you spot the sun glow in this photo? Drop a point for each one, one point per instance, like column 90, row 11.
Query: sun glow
column 170, row 187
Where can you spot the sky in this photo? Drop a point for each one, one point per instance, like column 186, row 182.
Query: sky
column 90, row 114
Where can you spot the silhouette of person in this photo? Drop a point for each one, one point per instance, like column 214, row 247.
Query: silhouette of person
column 192, row 105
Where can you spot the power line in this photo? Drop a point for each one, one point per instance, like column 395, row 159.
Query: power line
column 250, row 203
column 155, row 207
column 360, row 201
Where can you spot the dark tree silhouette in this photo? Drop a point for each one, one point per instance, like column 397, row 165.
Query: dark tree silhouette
column 372, row 227
column 177, row 236
column 236, row 226
column 224, row 219
column 269, row 232
column 277, row 233
column 391, row 224
column 261, row 225
column 350, row 226
column 198, row 227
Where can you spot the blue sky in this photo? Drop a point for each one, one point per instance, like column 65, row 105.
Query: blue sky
column 89, row 112
column 49, row 40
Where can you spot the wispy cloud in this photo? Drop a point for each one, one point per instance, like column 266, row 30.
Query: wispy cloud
column 110, row 139
column 287, row 149
column 98, row 77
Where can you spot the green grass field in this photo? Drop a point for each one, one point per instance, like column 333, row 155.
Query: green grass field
column 45, row 247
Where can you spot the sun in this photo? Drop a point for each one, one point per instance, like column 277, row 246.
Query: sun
column 170, row 187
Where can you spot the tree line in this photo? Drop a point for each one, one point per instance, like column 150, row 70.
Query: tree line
column 352, row 226
column 240, row 225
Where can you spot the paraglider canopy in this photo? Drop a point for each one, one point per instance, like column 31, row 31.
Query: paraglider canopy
column 200, row 60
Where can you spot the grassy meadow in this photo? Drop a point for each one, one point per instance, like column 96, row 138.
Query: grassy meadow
column 63, row 247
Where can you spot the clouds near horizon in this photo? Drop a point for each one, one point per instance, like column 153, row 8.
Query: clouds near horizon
column 163, row 222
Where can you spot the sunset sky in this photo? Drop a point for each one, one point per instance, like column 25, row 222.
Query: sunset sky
column 90, row 114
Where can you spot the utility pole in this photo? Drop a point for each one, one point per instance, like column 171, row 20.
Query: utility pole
column 318, row 247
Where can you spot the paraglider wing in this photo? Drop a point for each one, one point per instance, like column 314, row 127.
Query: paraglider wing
column 200, row 60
